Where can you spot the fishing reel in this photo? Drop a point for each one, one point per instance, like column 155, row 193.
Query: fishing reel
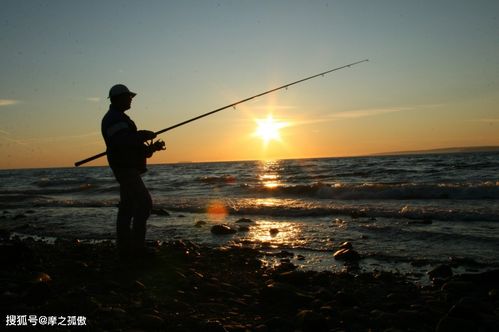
column 152, row 147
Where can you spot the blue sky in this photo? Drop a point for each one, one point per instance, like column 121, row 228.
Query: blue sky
column 432, row 79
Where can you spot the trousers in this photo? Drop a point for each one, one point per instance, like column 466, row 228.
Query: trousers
column 134, row 209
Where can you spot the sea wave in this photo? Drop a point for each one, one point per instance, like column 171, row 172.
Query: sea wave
column 369, row 191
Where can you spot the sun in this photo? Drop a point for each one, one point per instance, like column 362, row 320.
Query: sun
column 268, row 129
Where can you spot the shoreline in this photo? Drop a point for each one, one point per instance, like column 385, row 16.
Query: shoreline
column 189, row 287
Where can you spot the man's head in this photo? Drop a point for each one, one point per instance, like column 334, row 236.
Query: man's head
column 121, row 97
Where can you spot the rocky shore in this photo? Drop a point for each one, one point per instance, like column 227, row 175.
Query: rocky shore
column 186, row 287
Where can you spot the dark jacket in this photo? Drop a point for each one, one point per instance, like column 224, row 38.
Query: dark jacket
column 125, row 149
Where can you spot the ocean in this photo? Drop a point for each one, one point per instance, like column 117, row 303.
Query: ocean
column 404, row 213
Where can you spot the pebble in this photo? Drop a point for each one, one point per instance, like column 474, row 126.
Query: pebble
column 222, row 229
column 346, row 255
column 222, row 290
column 244, row 220
column 200, row 223
column 441, row 272
column 41, row 277
column 138, row 286
column 346, row 245
column 273, row 231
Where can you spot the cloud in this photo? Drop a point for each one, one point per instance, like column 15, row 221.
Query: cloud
column 60, row 138
column 8, row 102
column 368, row 112
column 30, row 141
column 355, row 114
column 273, row 107
column 486, row 120
column 93, row 99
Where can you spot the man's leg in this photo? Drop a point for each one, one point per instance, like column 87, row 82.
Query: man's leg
column 125, row 213
column 141, row 212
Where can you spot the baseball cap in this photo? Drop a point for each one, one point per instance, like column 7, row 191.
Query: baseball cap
column 120, row 89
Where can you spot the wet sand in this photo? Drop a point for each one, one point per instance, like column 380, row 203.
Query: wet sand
column 187, row 287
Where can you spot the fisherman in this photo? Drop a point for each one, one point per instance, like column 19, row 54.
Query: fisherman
column 126, row 154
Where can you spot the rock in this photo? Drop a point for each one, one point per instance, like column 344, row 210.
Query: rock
column 347, row 255
column 222, row 229
column 244, row 220
column 346, row 245
column 338, row 221
column 284, row 266
column 137, row 286
column 41, row 277
column 200, row 223
column 441, row 272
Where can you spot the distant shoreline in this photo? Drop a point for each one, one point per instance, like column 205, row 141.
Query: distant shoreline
column 468, row 149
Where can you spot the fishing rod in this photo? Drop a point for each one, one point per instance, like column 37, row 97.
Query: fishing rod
column 285, row 86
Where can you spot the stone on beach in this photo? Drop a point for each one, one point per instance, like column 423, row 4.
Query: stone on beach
column 273, row 231
column 244, row 220
column 346, row 245
column 229, row 289
column 441, row 272
column 346, row 255
column 222, row 229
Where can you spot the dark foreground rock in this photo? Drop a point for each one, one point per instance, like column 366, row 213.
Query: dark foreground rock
column 187, row 287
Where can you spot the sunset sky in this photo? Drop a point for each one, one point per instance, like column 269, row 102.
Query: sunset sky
column 432, row 79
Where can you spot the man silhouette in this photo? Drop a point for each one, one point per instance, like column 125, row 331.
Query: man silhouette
column 126, row 154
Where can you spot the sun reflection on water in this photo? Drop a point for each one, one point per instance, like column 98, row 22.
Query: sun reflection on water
column 276, row 233
column 269, row 175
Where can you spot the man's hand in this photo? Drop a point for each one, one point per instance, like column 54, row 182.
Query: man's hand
column 146, row 135
column 153, row 147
